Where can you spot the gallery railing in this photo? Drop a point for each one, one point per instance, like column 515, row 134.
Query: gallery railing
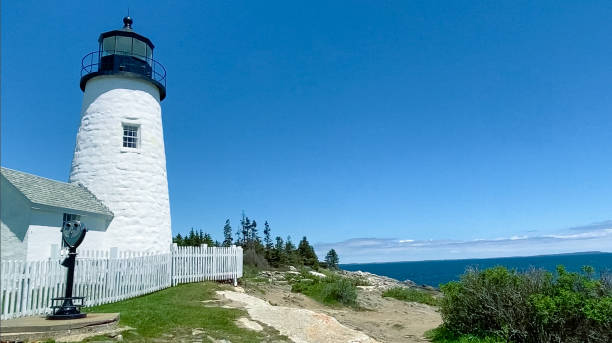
column 102, row 62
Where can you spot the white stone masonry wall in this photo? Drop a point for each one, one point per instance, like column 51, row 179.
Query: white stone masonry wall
column 131, row 182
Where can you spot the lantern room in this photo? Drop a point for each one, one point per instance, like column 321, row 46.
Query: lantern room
column 124, row 52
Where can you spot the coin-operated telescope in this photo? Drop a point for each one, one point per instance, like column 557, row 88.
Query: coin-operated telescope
column 73, row 233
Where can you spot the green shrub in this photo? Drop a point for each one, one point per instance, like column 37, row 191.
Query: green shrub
column 529, row 307
column 255, row 259
column 410, row 294
column 250, row 272
column 332, row 289
column 341, row 290
column 361, row 281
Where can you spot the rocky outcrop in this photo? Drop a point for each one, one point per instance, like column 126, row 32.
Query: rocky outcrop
column 370, row 281
column 300, row 325
column 382, row 282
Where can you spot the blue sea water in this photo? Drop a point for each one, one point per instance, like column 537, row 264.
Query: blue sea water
column 434, row 273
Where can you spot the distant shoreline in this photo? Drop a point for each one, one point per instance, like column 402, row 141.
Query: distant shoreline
column 436, row 272
column 484, row 258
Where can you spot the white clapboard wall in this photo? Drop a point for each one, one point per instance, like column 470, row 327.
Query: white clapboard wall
column 26, row 287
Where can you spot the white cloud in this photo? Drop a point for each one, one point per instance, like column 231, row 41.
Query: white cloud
column 592, row 237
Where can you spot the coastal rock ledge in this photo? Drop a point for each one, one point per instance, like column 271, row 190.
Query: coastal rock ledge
column 269, row 300
column 300, row 325
column 383, row 283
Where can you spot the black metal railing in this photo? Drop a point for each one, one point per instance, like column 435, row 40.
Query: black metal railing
column 98, row 61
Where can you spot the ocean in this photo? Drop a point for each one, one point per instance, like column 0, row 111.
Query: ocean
column 434, row 273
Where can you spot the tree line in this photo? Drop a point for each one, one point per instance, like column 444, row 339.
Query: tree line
column 258, row 251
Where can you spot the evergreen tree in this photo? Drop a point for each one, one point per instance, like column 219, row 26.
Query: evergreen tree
column 200, row 239
column 207, row 239
column 279, row 257
column 332, row 259
column 178, row 239
column 292, row 256
column 191, row 239
column 245, row 223
column 227, row 234
column 254, row 238
column 289, row 247
column 306, row 252
column 238, row 233
column 267, row 240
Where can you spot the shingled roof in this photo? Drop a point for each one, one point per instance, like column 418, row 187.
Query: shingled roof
column 43, row 191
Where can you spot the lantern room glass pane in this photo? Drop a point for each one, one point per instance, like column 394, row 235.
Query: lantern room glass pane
column 149, row 55
column 124, row 45
column 140, row 49
column 108, row 46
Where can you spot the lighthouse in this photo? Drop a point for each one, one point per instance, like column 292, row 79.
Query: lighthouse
column 119, row 154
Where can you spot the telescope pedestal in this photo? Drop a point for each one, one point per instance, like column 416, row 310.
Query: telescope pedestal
column 68, row 309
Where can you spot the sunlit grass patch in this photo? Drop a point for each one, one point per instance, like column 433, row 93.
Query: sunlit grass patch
column 174, row 312
column 410, row 294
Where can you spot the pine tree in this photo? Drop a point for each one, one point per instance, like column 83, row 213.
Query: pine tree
column 292, row 256
column 191, row 239
column 289, row 247
column 178, row 239
column 279, row 257
column 332, row 259
column 267, row 240
column 254, row 238
column 245, row 223
column 207, row 239
column 306, row 252
column 238, row 240
column 227, row 234
column 200, row 239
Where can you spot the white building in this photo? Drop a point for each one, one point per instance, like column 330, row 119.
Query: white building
column 33, row 210
column 119, row 159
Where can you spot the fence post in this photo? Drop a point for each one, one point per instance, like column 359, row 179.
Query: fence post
column 55, row 253
column 234, row 251
column 202, row 265
column 173, row 255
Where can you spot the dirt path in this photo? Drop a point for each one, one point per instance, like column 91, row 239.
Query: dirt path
column 305, row 320
column 383, row 319
column 299, row 324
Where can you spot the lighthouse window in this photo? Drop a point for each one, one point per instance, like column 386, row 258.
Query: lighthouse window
column 108, row 45
column 124, row 45
column 130, row 136
column 140, row 48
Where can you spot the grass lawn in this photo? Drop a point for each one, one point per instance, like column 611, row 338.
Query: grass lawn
column 176, row 311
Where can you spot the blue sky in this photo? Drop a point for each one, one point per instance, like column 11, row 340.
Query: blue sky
column 393, row 121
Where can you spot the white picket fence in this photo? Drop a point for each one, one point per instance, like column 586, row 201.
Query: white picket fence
column 192, row 264
column 26, row 287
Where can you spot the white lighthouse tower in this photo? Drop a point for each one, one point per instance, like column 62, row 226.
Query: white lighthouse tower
column 119, row 154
